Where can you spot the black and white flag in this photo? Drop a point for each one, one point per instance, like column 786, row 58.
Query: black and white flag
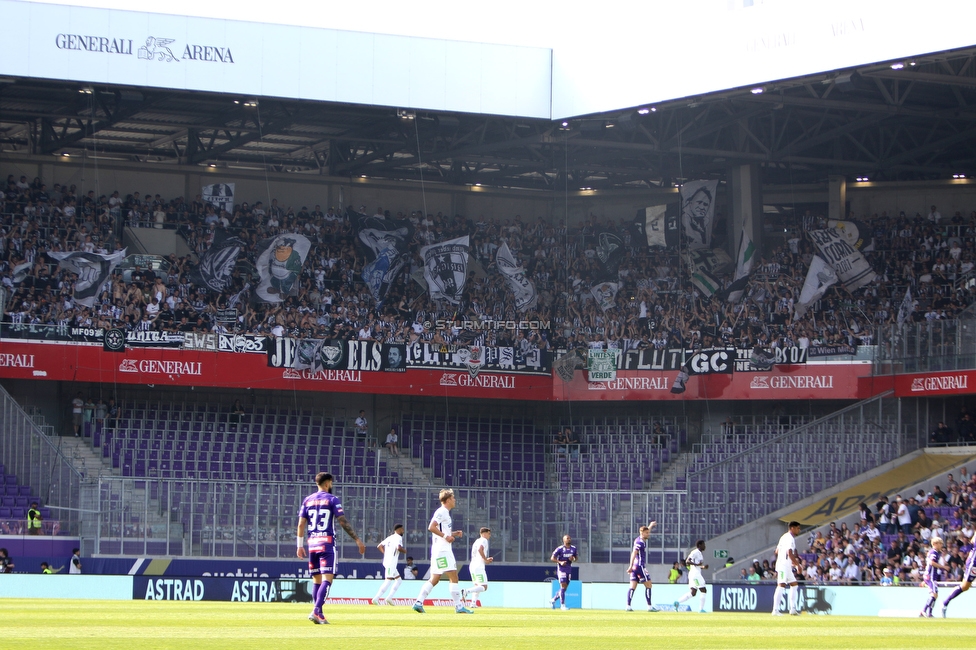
column 216, row 267
column 446, row 268
column 93, row 272
column 279, row 262
column 522, row 287
column 609, row 252
column 698, row 212
column 385, row 243
column 316, row 355
column 856, row 233
column 220, row 196
column 605, row 293
column 658, row 226
column 907, row 307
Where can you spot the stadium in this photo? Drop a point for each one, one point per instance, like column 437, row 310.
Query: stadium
column 536, row 259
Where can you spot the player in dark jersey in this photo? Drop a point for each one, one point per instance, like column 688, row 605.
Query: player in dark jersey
column 638, row 567
column 968, row 576
column 318, row 514
column 563, row 556
column 930, row 580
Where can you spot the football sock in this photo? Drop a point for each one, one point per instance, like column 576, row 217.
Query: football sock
column 929, row 604
column 955, row 592
column 777, row 597
column 685, row 598
column 393, row 589
column 701, row 600
column 474, row 591
column 424, row 592
column 794, row 597
column 322, row 595
column 562, row 595
column 315, row 590
column 383, row 586
column 456, row 594
column 630, row 596
column 647, row 595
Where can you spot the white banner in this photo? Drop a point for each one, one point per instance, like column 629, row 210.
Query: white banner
column 93, row 271
column 523, row 288
column 853, row 271
column 220, row 196
column 605, row 293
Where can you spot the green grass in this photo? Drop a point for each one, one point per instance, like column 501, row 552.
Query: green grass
column 79, row 624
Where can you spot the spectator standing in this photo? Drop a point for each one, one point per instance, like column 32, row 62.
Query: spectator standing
column 34, row 520
column 74, row 565
column 77, row 413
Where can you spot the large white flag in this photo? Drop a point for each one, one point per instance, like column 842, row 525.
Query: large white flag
column 523, row 288
column 907, row 307
column 446, row 268
column 698, row 212
column 819, row 278
column 605, row 293
column 852, row 269
column 93, row 271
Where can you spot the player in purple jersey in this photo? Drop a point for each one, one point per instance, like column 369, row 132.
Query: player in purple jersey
column 563, row 556
column 931, row 575
column 968, row 576
column 317, row 516
column 638, row 567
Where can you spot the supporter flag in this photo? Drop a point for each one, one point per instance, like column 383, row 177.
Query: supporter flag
column 93, row 272
column 385, row 243
column 698, row 212
column 20, row 272
column 316, row 355
column 656, row 225
column 856, row 233
column 446, row 268
column 706, row 282
column 819, row 278
column 714, row 260
column 851, row 268
column 567, row 364
column 680, row 381
column 220, row 196
column 743, row 262
column 279, row 261
column 523, row 288
column 609, row 251
column 907, row 307
column 216, row 268
column 605, row 293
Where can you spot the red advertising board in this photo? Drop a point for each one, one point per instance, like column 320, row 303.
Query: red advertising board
column 175, row 367
column 949, row 382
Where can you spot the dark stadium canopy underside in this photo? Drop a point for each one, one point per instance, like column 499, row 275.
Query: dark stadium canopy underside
column 882, row 121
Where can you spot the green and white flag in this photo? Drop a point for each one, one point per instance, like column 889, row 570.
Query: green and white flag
column 743, row 261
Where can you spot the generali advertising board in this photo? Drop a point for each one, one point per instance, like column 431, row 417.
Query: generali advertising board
column 166, row 366
column 950, row 382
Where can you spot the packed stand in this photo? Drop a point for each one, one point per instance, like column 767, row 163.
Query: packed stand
column 656, row 306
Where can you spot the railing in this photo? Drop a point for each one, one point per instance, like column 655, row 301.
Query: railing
column 797, row 464
column 258, row 520
column 928, row 347
column 37, row 461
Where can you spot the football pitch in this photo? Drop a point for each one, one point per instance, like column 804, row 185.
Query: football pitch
column 81, row 624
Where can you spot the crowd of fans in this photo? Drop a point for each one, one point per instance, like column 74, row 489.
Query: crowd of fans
column 890, row 542
column 656, row 306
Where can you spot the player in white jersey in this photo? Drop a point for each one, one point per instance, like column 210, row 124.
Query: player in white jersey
column 696, row 581
column 391, row 547
column 786, row 560
column 479, row 575
column 442, row 560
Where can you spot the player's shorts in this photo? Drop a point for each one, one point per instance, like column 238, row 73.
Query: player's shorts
column 391, row 572
column 322, row 561
column 564, row 574
column 784, row 575
column 969, row 570
column 696, row 580
column 931, row 584
column 443, row 562
column 639, row 574
column 478, row 574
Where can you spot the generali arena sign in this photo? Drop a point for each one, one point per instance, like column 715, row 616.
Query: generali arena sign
column 956, row 382
column 175, row 367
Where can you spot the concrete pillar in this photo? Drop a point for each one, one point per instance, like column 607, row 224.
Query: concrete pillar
column 837, row 197
column 747, row 205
